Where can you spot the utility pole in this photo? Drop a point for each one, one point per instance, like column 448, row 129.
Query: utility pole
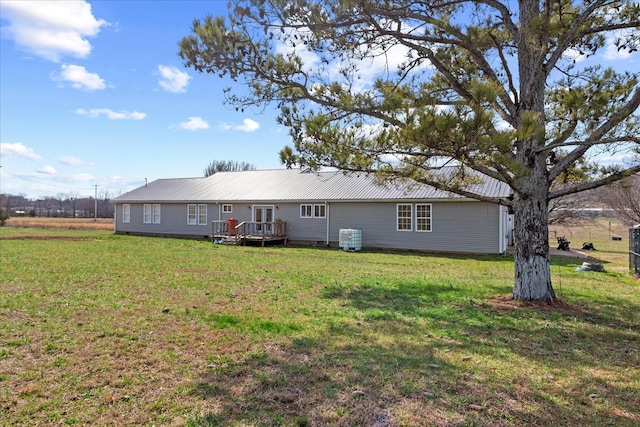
column 95, row 205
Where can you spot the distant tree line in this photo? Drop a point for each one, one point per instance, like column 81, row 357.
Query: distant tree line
column 67, row 205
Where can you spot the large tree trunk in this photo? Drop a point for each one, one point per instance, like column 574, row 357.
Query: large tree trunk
column 530, row 204
column 531, row 232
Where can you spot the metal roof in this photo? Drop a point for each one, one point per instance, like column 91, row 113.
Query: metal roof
column 294, row 185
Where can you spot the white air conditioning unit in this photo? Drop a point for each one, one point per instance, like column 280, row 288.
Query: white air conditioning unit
column 350, row 239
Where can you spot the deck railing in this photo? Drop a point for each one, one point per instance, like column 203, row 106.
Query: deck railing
column 248, row 230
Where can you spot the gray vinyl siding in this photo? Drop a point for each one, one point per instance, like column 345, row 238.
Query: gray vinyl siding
column 240, row 212
column 456, row 226
column 303, row 229
column 460, row 226
column 173, row 220
column 135, row 224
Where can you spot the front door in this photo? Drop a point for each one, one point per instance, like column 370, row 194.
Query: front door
column 263, row 214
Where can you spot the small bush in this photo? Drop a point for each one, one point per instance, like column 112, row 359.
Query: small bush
column 3, row 217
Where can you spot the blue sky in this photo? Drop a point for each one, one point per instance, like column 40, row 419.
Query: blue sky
column 95, row 93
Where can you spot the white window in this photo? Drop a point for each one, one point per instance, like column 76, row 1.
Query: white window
column 146, row 214
column 155, row 214
column 196, row 214
column 423, row 217
column 151, row 214
column 126, row 212
column 305, row 211
column 404, row 217
column 191, row 214
column 227, row 208
column 202, row 214
column 313, row 211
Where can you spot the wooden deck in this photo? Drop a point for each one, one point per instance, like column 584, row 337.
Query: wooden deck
column 247, row 232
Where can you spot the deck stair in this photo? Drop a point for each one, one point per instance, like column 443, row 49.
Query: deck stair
column 228, row 240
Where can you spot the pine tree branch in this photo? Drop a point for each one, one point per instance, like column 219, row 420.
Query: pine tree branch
column 595, row 136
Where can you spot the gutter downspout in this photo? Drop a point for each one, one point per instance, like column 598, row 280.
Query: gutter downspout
column 501, row 227
column 212, row 226
column 328, row 218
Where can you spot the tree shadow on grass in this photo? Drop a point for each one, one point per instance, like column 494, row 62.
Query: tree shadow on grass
column 310, row 382
column 367, row 384
column 412, row 354
column 401, row 298
column 563, row 337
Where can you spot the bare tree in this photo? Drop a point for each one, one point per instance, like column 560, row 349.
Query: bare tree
column 227, row 166
column 5, row 201
column 570, row 210
column 63, row 200
column 624, row 198
column 105, row 208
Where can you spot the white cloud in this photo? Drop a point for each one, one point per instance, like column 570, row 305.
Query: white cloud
column 310, row 59
column 80, row 177
column 172, row 79
column 18, row 150
column 111, row 115
column 123, row 180
column 574, row 55
column 194, row 123
column 55, row 177
column 47, row 170
column 502, row 125
column 71, row 161
column 79, row 78
column 51, row 29
column 612, row 52
column 620, row 159
column 247, row 125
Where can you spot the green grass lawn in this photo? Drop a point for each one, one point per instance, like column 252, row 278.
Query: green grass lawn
column 99, row 329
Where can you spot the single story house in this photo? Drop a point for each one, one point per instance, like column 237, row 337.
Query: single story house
column 316, row 206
